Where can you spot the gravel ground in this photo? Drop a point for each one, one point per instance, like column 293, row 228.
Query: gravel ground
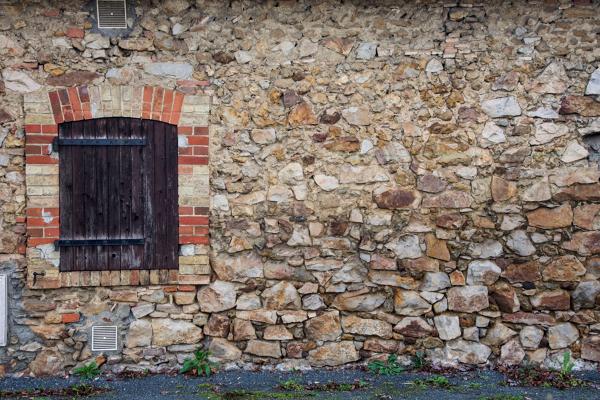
column 480, row 385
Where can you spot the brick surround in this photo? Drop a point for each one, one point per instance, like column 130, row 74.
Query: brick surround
column 45, row 110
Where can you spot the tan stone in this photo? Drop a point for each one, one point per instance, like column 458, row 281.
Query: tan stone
column 243, row 330
column 324, row 327
column 333, row 354
column 282, row 296
column 564, row 269
column 277, row 332
column 302, row 114
column 551, row 218
column 366, row 327
column 436, row 248
column 167, row 332
column 48, row 362
column 263, row 348
column 587, row 216
column 223, row 350
column 503, row 190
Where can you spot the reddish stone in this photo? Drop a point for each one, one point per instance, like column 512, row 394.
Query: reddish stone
column 451, row 220
column 584, row 243
column 396, row 198
column 587, row 216
column 5, row 116
column 382, row 263
column 582, row 105
column 73, row 78
column 348, row 144
column 431, row 183
column 564, row 269
column 75, row 33
column 579, row 193
column 503, row 190
column 70, row 318
column 505, row 297
column 525, row 272
column 529, row 319
column 420, row 265
column 552, row 300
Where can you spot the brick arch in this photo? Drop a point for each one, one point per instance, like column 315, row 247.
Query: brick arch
column 46, row 110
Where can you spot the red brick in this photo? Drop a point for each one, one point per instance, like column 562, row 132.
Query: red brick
column 193, row 239
column 178, row 102
column 31, row 128
column 157, row 102
column 201, row 130
column 84, row 94
column 33, row 149
column 52, row 232
column 70, row 318
column 74, row 99
column 200, row 210
column 195, row 220
column 55, row 104
column 193, row 160
column 184, row 170
column 35, row 232
column 186, row 288
column 50, row 129
column 200, row 230
column 198, row 140
column 186, row 230
column 185, row 151
column 186, row 211
column 36, row 221
column 40, row 160
column 39, row 139
column 20, row 218
column 175, row 116
column 170, row 289
column 37, row 212
column 200, row 150
column 185, row 130
column 32, row 242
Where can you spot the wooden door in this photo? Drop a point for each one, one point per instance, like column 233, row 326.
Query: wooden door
column 118, row 195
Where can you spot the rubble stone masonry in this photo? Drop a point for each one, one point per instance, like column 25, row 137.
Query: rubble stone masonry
column 356, row 179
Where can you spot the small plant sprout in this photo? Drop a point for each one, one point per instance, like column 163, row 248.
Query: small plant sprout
column 88, row 371
column 199, row 364
column 389, row 367
column 566, row 367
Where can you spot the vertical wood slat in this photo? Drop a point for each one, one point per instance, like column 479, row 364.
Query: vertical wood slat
column 102, row 203
column 119, row 192
column 172, row 234
column 148, row 162
column 65, row 170
column 89, row 197
column 114, row 214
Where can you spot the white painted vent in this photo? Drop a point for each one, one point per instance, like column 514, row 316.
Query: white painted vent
column 104, row 338
column 3, row 309
column 112, row 14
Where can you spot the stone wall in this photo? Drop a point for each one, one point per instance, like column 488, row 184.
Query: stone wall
column 384, row 179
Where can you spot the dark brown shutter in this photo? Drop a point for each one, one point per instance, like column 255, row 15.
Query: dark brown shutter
column 118, row 195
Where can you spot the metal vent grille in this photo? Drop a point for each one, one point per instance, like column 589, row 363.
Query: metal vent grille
column 104, row 338
column 112, row 14
column 3, row 309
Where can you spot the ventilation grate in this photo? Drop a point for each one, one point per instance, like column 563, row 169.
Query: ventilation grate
column 104, row 338
column 3, row 309
column 112, row 14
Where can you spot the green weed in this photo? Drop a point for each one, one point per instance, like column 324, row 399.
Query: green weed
column 389, row 367
column 199, row 364
column 88, row 371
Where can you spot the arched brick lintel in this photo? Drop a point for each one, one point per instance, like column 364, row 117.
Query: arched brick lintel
column 46, row 110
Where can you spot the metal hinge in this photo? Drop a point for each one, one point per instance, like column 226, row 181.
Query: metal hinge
column 97, row 242
column 57, row 142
